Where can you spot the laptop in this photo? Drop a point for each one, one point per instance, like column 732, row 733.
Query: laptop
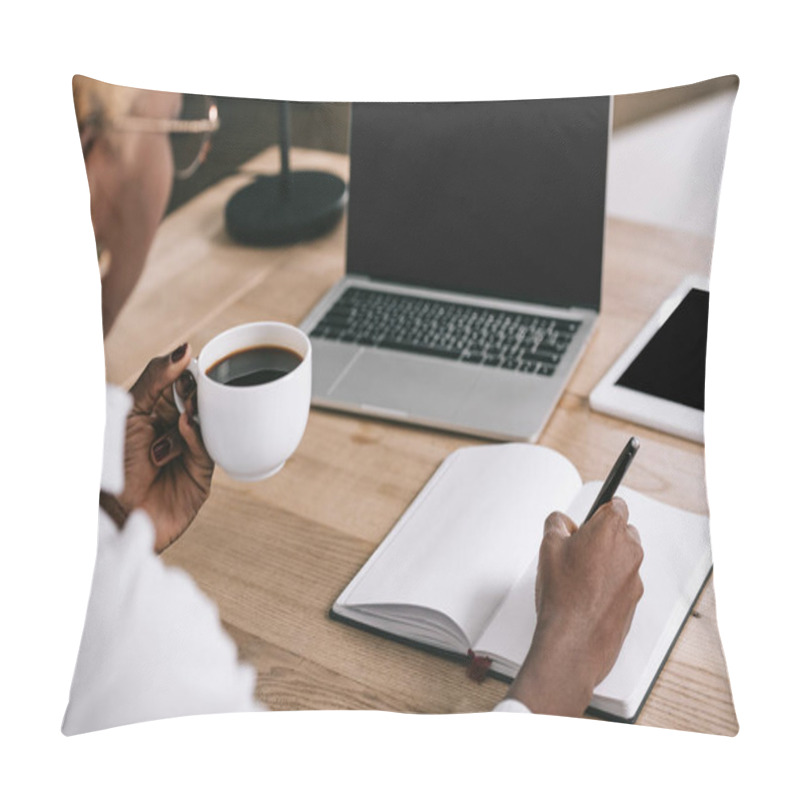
column 474, row 261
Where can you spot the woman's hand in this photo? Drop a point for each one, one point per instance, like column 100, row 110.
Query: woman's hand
column 587, row 588
column 167, row 469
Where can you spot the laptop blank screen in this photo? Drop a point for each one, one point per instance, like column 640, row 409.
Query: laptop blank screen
column 498, row 198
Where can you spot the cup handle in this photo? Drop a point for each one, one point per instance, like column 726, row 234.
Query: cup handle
column 193, row 368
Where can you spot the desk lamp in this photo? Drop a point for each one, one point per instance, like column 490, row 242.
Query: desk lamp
column 289, row 207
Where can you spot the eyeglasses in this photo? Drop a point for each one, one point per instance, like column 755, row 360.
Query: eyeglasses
column 189, row 134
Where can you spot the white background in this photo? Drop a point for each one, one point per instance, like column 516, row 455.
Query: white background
column 52, row 386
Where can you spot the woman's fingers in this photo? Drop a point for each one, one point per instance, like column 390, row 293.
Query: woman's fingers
column 186, row 386
column 197, row 462
column 166, row 448
column 559, row 524
column 193, row 441
column 158, row 375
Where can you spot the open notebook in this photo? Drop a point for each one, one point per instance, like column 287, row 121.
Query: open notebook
column 457, row 572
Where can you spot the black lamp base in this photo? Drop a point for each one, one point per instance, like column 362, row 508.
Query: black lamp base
column 284, row 209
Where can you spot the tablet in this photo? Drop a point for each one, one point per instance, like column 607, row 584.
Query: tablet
column 659, row 381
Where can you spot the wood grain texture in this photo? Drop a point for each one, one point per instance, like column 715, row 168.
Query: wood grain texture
column 274, row 555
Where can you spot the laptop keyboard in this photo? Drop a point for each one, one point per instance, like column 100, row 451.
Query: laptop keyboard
column 459, row 332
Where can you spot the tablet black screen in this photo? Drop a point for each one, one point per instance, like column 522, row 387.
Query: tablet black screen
column 672, row 365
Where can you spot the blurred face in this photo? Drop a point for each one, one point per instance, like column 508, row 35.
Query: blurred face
column 130, row 179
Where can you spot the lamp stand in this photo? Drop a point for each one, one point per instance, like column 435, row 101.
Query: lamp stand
column 285, row 208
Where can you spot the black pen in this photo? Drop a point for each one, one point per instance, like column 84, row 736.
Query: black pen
column 615, row 477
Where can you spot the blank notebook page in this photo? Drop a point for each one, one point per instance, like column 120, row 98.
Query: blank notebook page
column 470, row 533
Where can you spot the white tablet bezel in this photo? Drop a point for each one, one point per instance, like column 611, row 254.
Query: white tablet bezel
column 645, row 409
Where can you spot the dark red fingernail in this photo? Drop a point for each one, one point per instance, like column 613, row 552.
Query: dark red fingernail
column 179, row 352
column 161, row 449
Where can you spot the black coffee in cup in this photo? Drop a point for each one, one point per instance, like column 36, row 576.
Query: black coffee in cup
column 254, row 366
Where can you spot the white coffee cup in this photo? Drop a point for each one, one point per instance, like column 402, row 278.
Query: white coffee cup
column 250, row 431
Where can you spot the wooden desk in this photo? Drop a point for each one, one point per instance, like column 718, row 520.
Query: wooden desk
column 274, row 555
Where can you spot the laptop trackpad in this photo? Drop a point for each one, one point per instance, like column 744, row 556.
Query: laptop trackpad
column 400, row 383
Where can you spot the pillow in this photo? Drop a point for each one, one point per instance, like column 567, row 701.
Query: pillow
column 210, row 213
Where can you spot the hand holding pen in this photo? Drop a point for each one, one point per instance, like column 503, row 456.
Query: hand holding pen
column 587, row 589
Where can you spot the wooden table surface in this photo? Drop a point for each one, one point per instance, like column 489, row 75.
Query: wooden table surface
column 274, row 555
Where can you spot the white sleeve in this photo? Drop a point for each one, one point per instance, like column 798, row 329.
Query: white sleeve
column 152, row 646
column 510, row 704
